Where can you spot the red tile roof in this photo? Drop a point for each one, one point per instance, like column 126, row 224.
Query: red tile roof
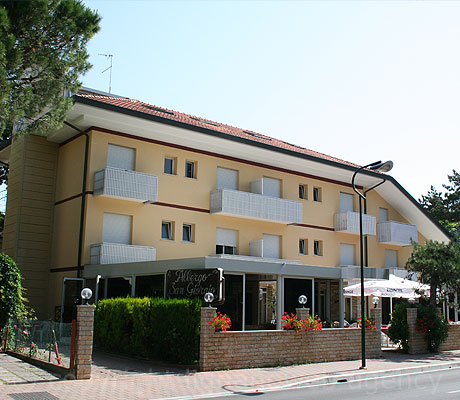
column 137, row 105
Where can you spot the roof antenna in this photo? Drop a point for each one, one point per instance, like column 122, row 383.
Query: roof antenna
column 110, row 57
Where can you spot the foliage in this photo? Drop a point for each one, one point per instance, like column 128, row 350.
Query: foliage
column 428, row 321
column 445, row 207
column 43, row 52
column 398, row 331
column 12, row 300
column 313, row 323
column 221, row 322
column 435, row 326
column 292, row 322
column 166, row 330
column 437, row 264
column 369, row 324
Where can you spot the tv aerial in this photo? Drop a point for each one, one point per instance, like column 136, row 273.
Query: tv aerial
column 110, row 57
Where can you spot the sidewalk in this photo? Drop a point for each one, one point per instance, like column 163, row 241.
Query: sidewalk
column 114, row 384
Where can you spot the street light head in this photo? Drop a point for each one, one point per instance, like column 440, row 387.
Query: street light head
column 381, row 166
column 303, row 300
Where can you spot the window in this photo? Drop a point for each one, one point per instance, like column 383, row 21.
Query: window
column 271, row 246
column 167, row 230
column 226, row 241
column 383, row 215
column 347, row 254
column 318, row 247
column 190, row 169
column 187, row 233
column 317, row 194
column 221, row 249
column 303, row 246
column 170, row 166
column 116, row 228
column 303, row 190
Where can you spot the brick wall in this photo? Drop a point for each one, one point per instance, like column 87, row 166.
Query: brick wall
column 453, row 341
column 417, row 342
column 222, row 350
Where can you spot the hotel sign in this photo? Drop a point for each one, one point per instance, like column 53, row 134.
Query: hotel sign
column 194, row 283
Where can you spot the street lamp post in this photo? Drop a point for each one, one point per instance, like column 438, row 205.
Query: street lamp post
column 375, row 166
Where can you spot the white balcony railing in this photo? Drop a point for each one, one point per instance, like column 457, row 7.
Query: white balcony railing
column 125, row 184
column 114, row 253
column 396, row 233
column 255, row 206
column 348, row 222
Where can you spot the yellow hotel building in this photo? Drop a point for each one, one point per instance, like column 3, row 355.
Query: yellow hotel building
column 127, row 191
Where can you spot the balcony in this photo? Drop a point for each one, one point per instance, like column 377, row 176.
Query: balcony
column 125, row 184
column 348, row 222
column 255, row 206
column 396, row 233
column 114, row 253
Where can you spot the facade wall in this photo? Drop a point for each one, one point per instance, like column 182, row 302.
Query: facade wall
column 179, row 191
column 29, row 214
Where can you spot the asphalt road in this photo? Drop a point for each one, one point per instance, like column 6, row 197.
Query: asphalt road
column 443, row 384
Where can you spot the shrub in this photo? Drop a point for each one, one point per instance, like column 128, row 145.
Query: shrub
column 12, row 301
column 166, row 330
column 429, row 321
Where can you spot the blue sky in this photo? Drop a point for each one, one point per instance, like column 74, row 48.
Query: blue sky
column 361, row 81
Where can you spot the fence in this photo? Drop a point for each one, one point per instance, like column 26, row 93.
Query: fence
column 47, row 341
column 62, row 348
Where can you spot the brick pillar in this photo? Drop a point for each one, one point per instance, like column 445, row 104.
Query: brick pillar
column 206, row 333
column 84, row 341
column 376, row 315
column 417, row 343
column 302, row 313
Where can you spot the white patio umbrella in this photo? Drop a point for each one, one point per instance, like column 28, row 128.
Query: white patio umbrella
column 394, row 287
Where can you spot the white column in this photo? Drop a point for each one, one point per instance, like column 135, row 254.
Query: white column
column 313, row 311
column 341, row 303
column 133, row 286
column 279, row 300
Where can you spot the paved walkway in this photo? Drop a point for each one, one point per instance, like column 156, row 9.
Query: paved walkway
column 118, row 382
column 13, row 370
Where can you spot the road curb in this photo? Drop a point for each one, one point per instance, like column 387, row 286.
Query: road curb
column 346, row 378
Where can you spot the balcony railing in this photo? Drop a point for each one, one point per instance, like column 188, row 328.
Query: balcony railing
column 348, row 222
column 255, row 206
column 396, row 233
column 114, row 253
column 125, row 184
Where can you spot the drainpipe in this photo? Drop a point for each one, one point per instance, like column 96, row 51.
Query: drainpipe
column 83, row 197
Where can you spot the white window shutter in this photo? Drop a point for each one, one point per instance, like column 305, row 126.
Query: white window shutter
column 226, row 237
column 391, row 258
column 346, row 202
column 272, row 246
column 120, row 157
column 347, row 254
column 271, row 187
column 227, row 179
column 383, row 215
column 116, row 228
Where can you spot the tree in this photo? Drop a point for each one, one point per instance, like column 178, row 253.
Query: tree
column 42, row 54
column 12, row 301
column 445, row 207
column 437, row 265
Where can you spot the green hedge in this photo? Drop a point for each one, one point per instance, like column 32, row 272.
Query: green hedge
column 166, row 330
